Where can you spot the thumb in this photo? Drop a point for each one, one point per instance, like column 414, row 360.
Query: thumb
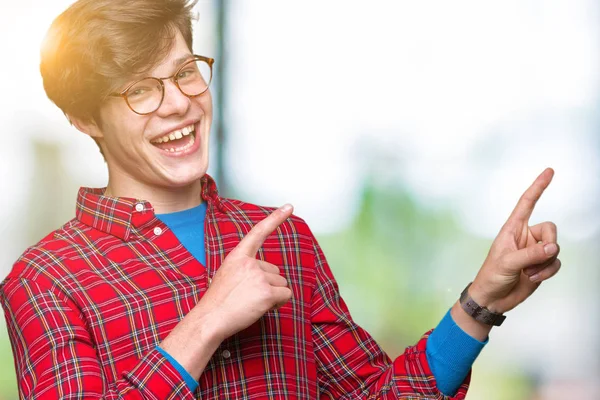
column 530, row 255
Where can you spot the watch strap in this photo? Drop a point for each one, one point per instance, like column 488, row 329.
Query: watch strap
column 479, row 313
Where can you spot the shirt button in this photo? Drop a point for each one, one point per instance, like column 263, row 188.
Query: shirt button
column 226, row 354
column 209, row 281
column 139, row 207
column 157, row 231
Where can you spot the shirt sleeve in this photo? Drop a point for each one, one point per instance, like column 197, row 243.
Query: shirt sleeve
column 451, row 353
column 55, row 356
column 351, row 365
column 185, row 375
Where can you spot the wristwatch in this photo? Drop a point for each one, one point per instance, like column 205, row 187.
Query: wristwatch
column 479, row 313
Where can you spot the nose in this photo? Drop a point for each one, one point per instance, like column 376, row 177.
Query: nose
column 174, row 101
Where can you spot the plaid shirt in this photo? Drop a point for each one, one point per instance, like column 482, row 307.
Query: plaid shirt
column 87, row 306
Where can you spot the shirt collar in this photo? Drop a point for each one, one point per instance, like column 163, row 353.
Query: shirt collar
column 127, row 217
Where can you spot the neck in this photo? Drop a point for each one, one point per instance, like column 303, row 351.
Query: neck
column 163, row 199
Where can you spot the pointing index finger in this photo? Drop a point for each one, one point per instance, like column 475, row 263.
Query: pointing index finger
column 250, row 244
column 527, row 202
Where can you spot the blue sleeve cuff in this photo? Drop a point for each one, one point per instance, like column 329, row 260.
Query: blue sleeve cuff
column 191, row 383
column 451, row 353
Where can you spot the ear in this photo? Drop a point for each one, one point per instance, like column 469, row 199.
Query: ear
column 88, row 126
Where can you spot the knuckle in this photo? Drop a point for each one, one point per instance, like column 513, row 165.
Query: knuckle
column 248, row 264
column 551, row 272
column 535, row 254
column 258, row 229
column 265, row 280
column 551, row 226
column 527, row 199
column 280, row 281
column 271, row 293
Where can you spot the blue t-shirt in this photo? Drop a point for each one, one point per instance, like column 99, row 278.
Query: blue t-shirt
column 188, row 227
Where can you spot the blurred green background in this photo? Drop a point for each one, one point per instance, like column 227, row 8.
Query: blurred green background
column 402, row 132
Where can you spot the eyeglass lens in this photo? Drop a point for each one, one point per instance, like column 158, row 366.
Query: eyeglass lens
column 146, row 95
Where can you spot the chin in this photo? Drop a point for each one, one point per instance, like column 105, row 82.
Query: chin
column 186, row 178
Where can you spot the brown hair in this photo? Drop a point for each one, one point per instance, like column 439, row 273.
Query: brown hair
column 95, row 46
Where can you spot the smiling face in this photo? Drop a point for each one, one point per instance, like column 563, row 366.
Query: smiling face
column 165, row 149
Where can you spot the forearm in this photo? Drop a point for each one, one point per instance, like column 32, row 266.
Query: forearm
column 193, row 341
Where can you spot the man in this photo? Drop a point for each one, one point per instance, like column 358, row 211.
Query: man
column 160, row 288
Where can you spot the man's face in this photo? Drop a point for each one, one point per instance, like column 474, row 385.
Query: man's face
column 129, row 140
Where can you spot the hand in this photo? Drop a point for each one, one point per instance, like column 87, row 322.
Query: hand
column 244, row 288
column 521, row 256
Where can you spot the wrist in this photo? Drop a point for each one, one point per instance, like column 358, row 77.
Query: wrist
column 482, row 298
column 193, row 342
column 216, row 324
column 470, row 326
column 477, row 311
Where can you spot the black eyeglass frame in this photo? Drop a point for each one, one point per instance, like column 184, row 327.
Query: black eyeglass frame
column 123, row 93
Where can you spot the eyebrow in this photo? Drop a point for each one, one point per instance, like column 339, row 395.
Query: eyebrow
column 181, row 60
column 176, row 64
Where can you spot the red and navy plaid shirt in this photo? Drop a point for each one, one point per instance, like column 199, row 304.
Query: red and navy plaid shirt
column 87, row 306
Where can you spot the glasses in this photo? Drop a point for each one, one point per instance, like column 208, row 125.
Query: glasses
column 147, row 94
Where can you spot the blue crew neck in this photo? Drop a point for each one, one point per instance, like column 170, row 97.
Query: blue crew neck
column 178, row 218
column 188, row 227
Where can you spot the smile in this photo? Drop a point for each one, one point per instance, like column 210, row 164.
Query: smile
column 176, row 141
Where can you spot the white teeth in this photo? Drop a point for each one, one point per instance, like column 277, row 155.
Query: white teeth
column 178, row 134
column 187, row 146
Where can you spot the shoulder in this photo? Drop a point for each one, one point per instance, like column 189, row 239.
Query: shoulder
column 46, row 261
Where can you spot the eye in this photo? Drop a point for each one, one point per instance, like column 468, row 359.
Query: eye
column 142, row 89
column 185, row 73
column 138, row 92
column 189, row 72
